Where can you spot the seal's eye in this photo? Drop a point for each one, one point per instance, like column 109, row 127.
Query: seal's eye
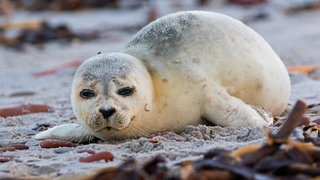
column 87, row 94
column 127, row 91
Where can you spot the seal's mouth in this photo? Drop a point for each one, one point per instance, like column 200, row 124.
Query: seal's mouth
column 110, row 128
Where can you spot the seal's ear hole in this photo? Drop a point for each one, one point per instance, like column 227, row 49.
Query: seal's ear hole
column 126, row 91
column 87, row 94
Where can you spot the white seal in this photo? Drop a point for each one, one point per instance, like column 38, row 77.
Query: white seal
column 179, row 70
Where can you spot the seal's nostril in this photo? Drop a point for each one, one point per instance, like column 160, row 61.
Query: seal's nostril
column 107, row 113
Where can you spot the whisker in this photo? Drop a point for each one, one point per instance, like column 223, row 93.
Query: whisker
column 139, row 131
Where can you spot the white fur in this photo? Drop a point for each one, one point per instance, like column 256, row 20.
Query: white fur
column 186, row 67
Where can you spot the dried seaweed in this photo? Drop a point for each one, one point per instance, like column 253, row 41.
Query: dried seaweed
column 40, row 32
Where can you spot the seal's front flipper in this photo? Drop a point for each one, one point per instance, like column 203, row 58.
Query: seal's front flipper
column 71, row 132
column 223, row 109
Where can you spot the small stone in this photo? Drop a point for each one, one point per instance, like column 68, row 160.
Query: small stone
column 62, row 150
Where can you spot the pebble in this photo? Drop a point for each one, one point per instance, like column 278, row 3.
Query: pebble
column 62, row 150
column 104, row 155
column 56, row 144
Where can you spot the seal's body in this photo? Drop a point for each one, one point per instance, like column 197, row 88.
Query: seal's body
column 178, row 70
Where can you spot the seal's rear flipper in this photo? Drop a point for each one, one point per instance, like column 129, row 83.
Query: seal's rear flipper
column 71, row 132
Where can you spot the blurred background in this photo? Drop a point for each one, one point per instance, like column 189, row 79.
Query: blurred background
column 44, row 38
column 36, row 23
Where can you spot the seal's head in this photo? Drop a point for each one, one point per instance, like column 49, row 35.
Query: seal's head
column 110, row 92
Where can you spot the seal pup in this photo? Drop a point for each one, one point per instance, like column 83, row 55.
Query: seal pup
column 179, row 70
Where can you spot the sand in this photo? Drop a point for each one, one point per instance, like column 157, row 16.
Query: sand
column 295, row 38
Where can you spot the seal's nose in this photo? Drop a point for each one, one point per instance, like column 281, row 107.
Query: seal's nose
column 107, row 113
